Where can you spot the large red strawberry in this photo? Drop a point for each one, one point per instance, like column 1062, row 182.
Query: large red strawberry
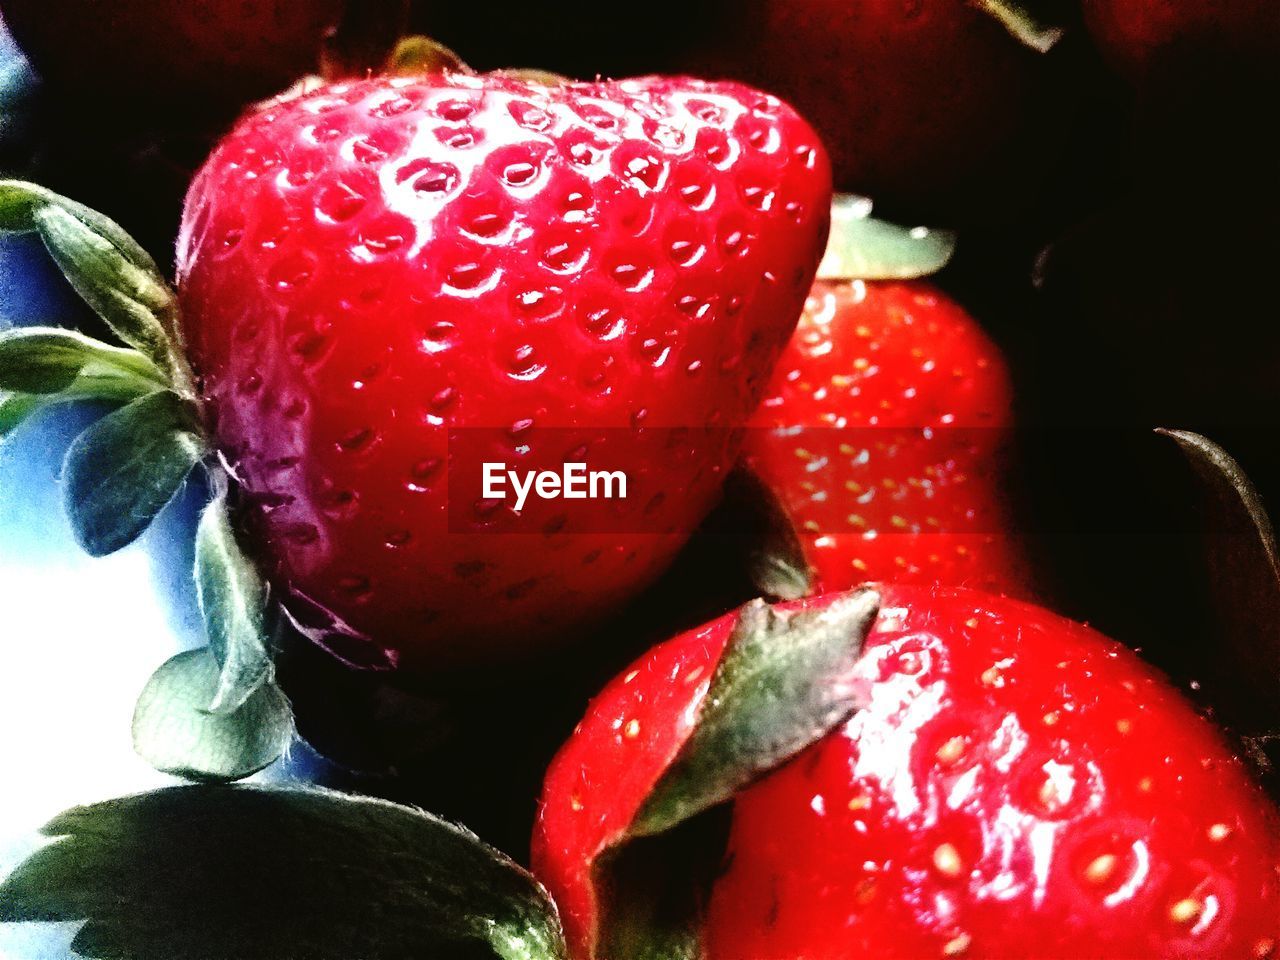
column 537, row 270
column 882, row 435
column 982, row 778
column 394, row 292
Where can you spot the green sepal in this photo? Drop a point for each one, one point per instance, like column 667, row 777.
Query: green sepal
column 860, row 247
column 122, row 470
column 21, row 202
column 115, row 276
column 784, row 682
column 136, row 303
column 261, row 873
column 233, row 603
column 174, row 731
column 786, row 679
column 1030, row 22
column 417, row 56
column 16, row 409
column 48, row 360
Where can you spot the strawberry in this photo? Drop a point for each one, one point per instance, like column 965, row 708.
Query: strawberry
column 368, row 267
column 389, row 291
column 974, row 776
column 880, row 436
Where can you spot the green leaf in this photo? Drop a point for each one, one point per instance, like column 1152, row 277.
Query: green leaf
column 253, row 873
column 15, row 408
column 21, row 201
column 123, row 469
column 18, row 203
column 784, row 682
column 135, row 302
column 1030, row 22
column 862, row 248
column 1243, row 570
column 49, row 359
column 107, row 267
column 174, row 731
column 233, row 601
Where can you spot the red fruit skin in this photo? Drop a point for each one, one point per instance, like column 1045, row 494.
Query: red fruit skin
column 1139, row 37
column 371, row 266
column 193, row 53
column 913, row 98
column 970, row 809
column 892, row 839
column 596, row 784
column 870, row 368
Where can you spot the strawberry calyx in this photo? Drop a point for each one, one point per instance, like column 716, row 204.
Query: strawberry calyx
column 780, row 680
column 416, row 55
column 209, row 714
column 1037, row 24
column 860, row 247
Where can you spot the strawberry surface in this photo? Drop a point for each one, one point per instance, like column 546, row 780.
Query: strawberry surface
column 1017, row 786
column 882, row 434
column 371, row 266
column 1014, row 785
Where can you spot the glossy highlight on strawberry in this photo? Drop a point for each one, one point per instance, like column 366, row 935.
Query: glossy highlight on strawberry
column 373, row 264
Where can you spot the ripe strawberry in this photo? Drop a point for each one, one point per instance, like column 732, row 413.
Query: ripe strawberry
column 375, row 264
column 881, row 435
column 1013, row 785
column 194, row 53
